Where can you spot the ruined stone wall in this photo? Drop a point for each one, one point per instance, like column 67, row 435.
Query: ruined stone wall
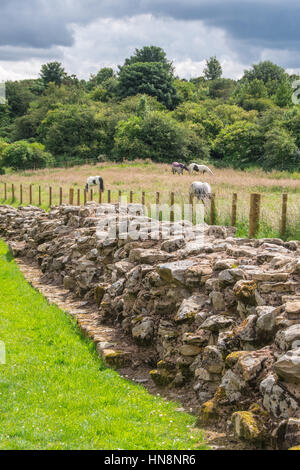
column 223, row 317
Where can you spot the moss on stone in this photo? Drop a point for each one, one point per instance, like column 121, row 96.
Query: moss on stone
column 233, row 358
column 114, row 358
column 161, row 377
column 99, row 294
column 246, row 426
column 207, row 413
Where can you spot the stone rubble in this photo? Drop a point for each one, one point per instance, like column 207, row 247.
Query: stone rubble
column 222, row 316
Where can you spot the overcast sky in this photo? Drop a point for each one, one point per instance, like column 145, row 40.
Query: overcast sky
column 89, row 34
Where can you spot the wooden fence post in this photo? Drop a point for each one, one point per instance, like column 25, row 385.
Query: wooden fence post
column 234, row 210
column 78, row 197
column 50, row 196
column 172, row 215
column 284, row 214
column 91, row 195
column 13, row 192
column 131, row 197
column 71, row 197
column 109, row 196
column 254, row 214
column 60, row 196
column 30, row 194
column 5, row 192
column 21, row 194
column 191, row 203
column 40, row 196
column 143, row 198
column 120, row 196
column 100, row 196
column 157, row 204
column 213, row 209
column 85, row 196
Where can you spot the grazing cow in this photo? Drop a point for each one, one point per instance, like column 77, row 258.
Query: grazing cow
column 202, row 191
column 178, row 168
column 94, row 181
column 199, row 169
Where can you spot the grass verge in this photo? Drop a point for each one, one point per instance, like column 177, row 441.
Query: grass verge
column 55, row 393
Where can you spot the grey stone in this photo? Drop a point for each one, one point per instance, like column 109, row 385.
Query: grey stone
column 285, row 339
column 233, row 386
column 276, row 399
column 143, row 333
column 288, row 366
column 174, row 272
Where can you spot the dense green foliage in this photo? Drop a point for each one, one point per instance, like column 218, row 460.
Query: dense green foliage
column 57, row 394
column 22, row 155
column 144, row 111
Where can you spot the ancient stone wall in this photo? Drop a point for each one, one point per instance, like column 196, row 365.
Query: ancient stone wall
column 222, row 317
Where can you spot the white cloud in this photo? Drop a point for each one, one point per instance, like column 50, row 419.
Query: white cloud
column 106, row 42
column 19, row 70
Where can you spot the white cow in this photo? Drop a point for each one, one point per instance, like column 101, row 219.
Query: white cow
column 194, row 167
column 202, row 191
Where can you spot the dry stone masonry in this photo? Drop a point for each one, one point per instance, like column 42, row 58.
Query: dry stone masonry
column 223, row 317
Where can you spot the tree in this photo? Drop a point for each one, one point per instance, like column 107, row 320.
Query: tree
column 105, row 91
column 21, row 156
column 239, row 144
column 206, row 123
column 71, row 131
column 257, row 89
column 18, row 96
column 229, row 114
column 283, row 95
column 143, row 107
column 150, row 78
column 265, row 71
column 104, row 75
column 150, row 54
column 26, row 126
column 280, row 151
column 186, row 91
column 156, row 136
column 221, row 88
column 213, row 69
column 4, row 115
column 53, row 72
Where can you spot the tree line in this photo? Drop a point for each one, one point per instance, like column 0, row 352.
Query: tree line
column 144, row 111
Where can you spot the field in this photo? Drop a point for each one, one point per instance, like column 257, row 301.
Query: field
column 55, row 393
column 151, row 178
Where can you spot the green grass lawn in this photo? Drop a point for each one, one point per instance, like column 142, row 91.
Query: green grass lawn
column 55, row 393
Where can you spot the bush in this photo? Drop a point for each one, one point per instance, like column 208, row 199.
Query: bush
column 239, row 144
column 281, row 151
column 73, row 131
column 22, row 156
column 157, row 137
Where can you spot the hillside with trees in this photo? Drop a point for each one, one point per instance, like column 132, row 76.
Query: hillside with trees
column 144, row 111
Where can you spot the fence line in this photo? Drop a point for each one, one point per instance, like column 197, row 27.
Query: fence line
column 254, row 213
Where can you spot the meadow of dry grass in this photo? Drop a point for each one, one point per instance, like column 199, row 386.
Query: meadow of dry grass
column 151, row 178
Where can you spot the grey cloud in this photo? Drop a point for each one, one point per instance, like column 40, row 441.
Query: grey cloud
column 37, row 23
column 246, row 30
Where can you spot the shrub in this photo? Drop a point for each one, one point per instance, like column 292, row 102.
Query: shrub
column 22, row 156
column 280, row 151
column 158, row 137
column 239, row 144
